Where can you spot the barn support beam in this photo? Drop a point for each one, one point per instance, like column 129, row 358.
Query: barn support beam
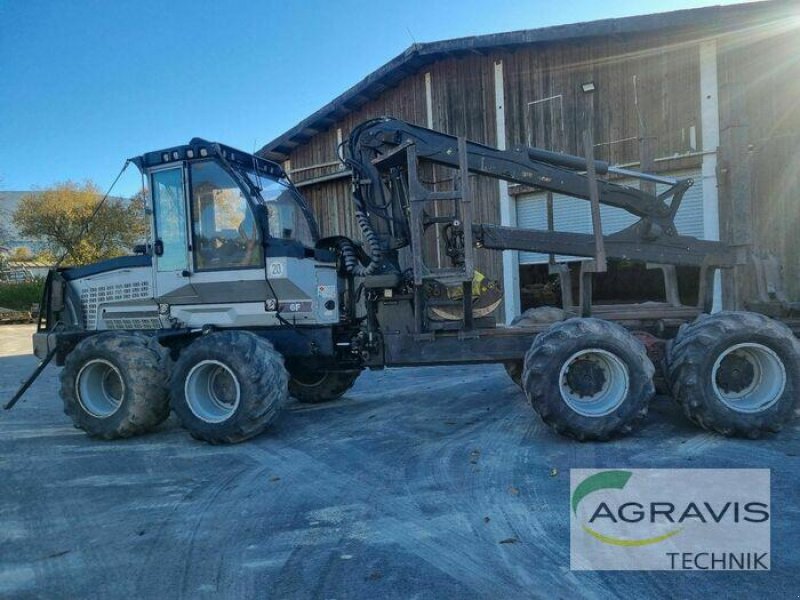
column 508, row 207
column 429, row 125
column 709, row 116
column 735, row 174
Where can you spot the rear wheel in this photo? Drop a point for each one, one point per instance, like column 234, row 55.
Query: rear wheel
column 736, row 373
column 114, row 385
column 228, row 386
column 589, row 379
column 313, row 386
column 531, row 317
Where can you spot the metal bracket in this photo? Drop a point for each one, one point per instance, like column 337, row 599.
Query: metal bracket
column 588, row 269
column 565, row 281
column 671, row 289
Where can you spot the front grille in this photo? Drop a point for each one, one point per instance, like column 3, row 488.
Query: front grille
column 133, row 323
column 92, row 297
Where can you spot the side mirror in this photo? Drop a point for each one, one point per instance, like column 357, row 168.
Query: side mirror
column 158, row 248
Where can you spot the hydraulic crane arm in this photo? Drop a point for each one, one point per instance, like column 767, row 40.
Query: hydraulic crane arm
column 553, row 171
column 625, row 244
column 378, row 151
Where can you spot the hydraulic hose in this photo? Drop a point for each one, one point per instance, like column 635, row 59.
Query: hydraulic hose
column 361, row 170
column 349, row 255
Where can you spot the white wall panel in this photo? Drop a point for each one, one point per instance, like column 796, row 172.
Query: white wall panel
column 574, row 215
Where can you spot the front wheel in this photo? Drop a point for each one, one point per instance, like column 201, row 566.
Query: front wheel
column 228, row 386
column 736, row 373
column 114, row 385
column 589, row 379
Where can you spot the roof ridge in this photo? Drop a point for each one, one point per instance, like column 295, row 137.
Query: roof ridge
column 421, row 53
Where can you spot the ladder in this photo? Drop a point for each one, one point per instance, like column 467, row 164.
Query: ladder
column 461, row 219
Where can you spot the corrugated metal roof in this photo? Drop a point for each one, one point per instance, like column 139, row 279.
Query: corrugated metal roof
column 714, row 18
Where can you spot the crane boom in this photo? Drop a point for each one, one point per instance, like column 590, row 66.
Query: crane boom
column 378, row 152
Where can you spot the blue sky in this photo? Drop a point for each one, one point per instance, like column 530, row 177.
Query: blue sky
column 84, row 85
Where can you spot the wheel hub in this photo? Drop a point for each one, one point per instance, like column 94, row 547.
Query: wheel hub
column 223, row 387
column 100, row 388
column 593, row 382
column 212, row 391
column 735, row 373
column 748, row 377
column 585, row 377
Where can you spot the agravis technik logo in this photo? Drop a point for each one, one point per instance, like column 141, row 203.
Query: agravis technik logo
column 670, row 519
column 611, row 480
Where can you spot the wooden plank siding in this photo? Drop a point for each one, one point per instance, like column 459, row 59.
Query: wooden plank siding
column 763, row 63
column 667, row 73
column 666, row 67
column 331, row 200
column 463, row 104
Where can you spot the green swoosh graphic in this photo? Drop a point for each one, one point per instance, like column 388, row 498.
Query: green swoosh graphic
column 607, row 539
column 599, row 481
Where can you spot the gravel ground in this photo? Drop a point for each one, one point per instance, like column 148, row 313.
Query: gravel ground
column 423, row 483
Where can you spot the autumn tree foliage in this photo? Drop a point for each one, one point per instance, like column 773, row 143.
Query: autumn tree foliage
column 61, row 216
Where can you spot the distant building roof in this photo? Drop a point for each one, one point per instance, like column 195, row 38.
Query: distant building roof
column 29, row 264
column 418, row 55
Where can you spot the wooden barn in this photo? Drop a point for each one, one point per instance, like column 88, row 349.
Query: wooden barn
column 710, row 93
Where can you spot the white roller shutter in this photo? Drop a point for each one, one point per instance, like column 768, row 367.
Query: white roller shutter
column 574, row 215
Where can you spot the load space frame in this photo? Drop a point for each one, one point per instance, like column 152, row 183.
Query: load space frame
column 397, row 153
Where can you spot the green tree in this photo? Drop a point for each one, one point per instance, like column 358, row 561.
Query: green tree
column 61, row 216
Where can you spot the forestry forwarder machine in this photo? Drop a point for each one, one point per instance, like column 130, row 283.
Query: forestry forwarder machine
column 235, row 303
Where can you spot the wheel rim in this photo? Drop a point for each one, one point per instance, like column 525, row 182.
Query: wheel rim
column 100, row 388
column 310, row 380
column 748, row 377
column 593, row 382
column 212, row 391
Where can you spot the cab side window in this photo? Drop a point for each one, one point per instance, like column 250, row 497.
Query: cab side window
column 170, row 217
column 225, row 232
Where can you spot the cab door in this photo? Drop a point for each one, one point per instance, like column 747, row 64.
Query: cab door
column 171, row 237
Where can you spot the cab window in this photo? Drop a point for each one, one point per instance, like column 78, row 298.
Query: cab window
column 286, row 220
column 225, row 233
column 170, row 217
